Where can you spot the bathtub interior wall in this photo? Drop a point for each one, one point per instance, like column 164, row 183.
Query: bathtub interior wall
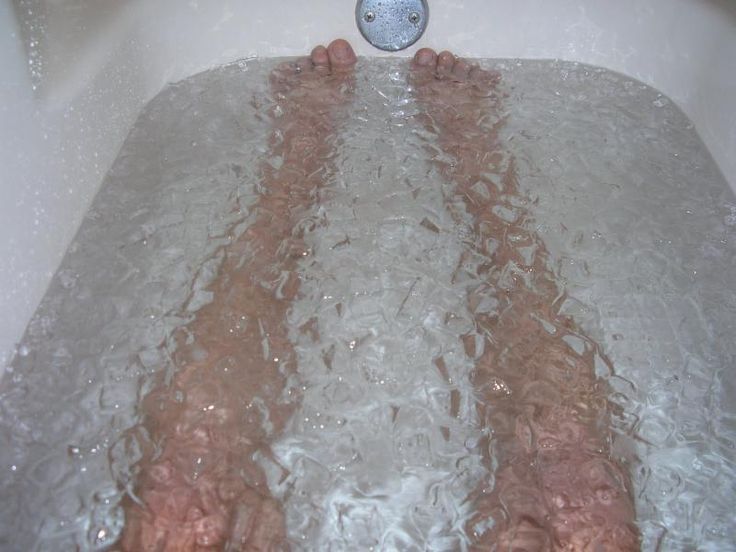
column 77, row 73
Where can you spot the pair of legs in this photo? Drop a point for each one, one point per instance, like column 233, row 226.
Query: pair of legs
column 199, row 486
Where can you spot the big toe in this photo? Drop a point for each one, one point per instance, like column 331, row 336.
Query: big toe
column 426, row 57
column 341, row 54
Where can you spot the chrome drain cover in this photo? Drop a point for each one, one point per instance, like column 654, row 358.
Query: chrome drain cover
column 392, row 24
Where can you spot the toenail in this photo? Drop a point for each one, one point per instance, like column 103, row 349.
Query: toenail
column 341, row 52
column 320, row 56
column 425, row 57
column 446, row 60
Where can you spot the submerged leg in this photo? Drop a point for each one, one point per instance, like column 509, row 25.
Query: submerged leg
column 199, row 486
column 544, row 411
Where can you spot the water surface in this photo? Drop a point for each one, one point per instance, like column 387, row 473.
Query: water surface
column 640, row 226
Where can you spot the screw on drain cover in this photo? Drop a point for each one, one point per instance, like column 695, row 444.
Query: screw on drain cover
column 392, row 24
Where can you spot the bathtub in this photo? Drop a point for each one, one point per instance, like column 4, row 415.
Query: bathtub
column 76, row 75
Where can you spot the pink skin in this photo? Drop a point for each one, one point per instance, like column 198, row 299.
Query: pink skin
column 199, row 487
column 556, row 487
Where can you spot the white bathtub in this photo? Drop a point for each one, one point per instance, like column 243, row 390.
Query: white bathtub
column 76, row 74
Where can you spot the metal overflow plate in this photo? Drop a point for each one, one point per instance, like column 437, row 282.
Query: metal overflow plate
column 392, row 24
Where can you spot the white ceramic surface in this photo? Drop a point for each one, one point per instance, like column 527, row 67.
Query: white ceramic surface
column 75, row 74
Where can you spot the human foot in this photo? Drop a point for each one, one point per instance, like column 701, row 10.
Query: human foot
column 433, row 70
column 457, row 96
column 316, row 78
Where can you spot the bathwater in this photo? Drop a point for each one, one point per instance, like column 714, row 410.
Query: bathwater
column 640, row 227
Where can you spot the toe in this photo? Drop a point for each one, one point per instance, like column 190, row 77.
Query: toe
column 461, row 70
column 445, row 62
column 476, row 74
column 320, row 57
column 341, row 54
column 304, row 64
column 482, row 79
column 426, row 57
